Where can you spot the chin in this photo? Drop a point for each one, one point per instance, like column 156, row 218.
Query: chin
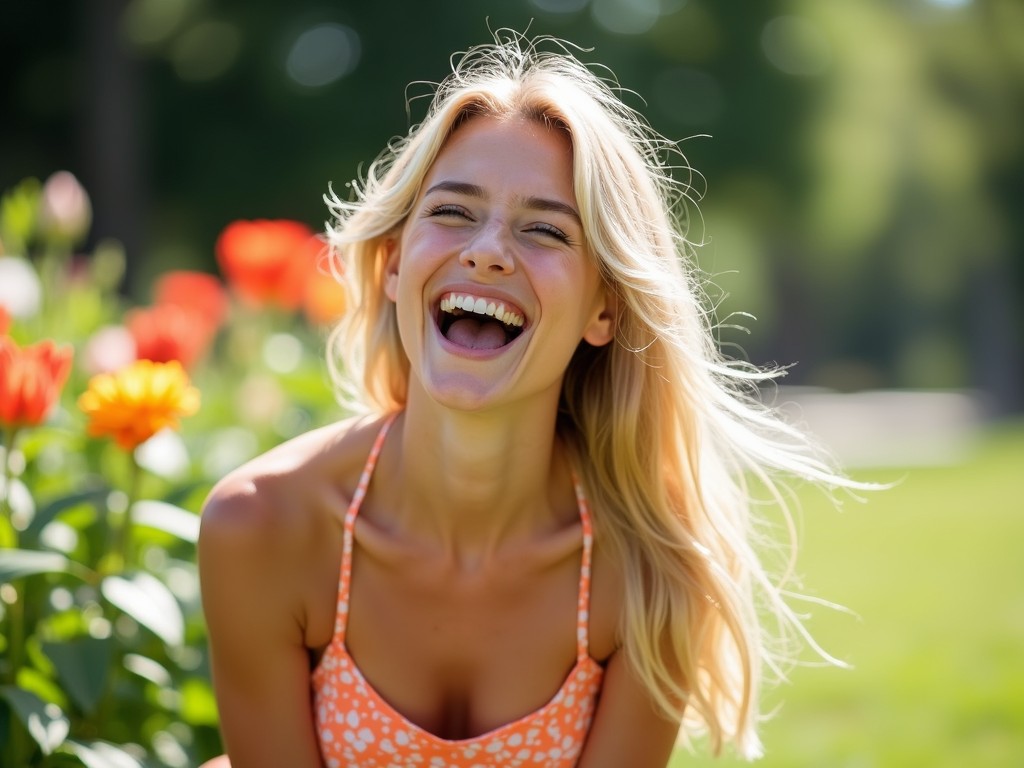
column 460, row 392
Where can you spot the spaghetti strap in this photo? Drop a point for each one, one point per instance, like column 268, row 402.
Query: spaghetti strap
column 341, row 620
column 583, row 600
column 357, row 726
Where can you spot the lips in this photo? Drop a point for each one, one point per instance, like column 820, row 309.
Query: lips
column 477, row 322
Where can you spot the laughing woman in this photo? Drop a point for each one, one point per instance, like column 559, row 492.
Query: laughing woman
column 532, row 546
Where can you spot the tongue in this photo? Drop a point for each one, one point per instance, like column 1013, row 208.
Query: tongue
column 477, row 334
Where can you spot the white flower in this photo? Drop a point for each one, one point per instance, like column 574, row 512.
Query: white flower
column 164, row 454
column 21, row 292
column 108, row 349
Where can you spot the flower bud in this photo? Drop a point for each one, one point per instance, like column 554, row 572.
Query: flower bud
column 65, row 212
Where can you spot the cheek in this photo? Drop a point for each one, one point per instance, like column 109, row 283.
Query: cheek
column 435, row 242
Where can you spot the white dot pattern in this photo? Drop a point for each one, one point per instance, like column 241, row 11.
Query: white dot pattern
column 357, row 728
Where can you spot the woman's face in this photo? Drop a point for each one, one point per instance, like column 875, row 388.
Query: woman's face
column 493, row 285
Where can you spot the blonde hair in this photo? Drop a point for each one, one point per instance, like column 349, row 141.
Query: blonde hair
column 663, row 428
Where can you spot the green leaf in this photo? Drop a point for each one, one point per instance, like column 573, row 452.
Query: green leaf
column 102, row 754
column 167, row 518
column 82, row 666
column 94, row 497
column 18, row 563
column 147, row 600
column 198, row 705
column 44, row 720
column 181, row 494
column 148, row 669
column 18, row 209
column 42, row 685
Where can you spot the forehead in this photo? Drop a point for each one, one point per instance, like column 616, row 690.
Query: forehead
column 516, row 153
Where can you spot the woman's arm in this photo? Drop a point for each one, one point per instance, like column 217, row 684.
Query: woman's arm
column 253, row 608
column 627, row 728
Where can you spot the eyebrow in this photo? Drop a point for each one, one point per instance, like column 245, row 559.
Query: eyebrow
column 534, row 203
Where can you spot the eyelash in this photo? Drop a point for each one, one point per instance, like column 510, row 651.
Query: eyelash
column 447, row 209
column 555, row 232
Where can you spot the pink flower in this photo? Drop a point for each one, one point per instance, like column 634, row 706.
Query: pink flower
column 65, row 212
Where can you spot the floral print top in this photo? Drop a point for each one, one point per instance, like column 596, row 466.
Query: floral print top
column 357, row 728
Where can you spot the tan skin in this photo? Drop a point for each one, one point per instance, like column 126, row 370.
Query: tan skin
column 468, row 543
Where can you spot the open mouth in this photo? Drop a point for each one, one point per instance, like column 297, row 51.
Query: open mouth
column 477, row 323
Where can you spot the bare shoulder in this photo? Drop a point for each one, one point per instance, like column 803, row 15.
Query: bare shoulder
column 279, row 492
column 270, row 535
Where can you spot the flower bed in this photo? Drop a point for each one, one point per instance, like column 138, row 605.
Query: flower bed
column 116, row 419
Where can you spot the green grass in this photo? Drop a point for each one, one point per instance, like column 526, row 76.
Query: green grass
column 934, row 569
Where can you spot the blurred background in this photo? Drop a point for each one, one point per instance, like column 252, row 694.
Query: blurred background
column 864, row 160
column 860, row 169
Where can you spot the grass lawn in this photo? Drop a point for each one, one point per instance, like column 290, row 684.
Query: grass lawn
column 934, row 570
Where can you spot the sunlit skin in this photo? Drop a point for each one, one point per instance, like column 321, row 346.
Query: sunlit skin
column 497, row 218
column 467, row 547
column 476, row 228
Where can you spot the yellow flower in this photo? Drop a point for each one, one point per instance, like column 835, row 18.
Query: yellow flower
column 134, row 403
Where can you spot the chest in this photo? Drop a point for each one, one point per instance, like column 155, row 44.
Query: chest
column 463, row 652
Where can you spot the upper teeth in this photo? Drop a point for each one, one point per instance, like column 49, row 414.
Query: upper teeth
column 495, row 309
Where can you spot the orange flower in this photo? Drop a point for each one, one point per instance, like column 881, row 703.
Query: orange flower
column 30, row 380
column 5, row 320
column 268, row 262
column 324, row 300
column 169, row 332
column 200, row 292
column 134, row 403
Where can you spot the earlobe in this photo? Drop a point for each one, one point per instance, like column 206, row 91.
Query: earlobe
column 601, row 328
column 390, row 251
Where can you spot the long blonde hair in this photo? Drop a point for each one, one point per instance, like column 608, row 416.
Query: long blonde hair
column 664, row 429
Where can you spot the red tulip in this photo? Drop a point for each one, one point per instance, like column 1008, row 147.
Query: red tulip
column 268, row 262
column 169, row 332
column 31, row 380
column 200, row 292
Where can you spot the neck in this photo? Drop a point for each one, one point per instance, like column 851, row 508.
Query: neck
column 472, row 480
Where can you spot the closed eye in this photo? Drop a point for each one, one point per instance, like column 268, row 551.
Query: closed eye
column 553, row 231
column 448, row 209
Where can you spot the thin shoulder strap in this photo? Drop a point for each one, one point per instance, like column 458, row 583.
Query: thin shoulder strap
column 583, row 600
column 341, row 620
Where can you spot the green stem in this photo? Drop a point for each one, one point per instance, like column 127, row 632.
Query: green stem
column 121, row 548
column 8, row 533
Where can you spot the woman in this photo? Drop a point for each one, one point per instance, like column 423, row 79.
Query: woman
column 532, row 546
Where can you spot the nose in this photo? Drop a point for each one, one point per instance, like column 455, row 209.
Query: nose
column 489, row 252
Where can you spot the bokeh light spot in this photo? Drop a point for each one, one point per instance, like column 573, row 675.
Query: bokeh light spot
column 150, row 22
column 796, row 46
column 322, row 54
column 560, row 6
column 206, row 51
column 626, row 17
column 282, row 352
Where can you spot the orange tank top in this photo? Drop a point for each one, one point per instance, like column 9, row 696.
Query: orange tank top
column 357, row 728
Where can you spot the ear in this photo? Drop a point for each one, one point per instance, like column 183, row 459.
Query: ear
column 390, row 250
column 601, row 328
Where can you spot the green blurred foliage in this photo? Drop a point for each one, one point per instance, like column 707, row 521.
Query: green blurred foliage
column 864, row 171
column 103, row 657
